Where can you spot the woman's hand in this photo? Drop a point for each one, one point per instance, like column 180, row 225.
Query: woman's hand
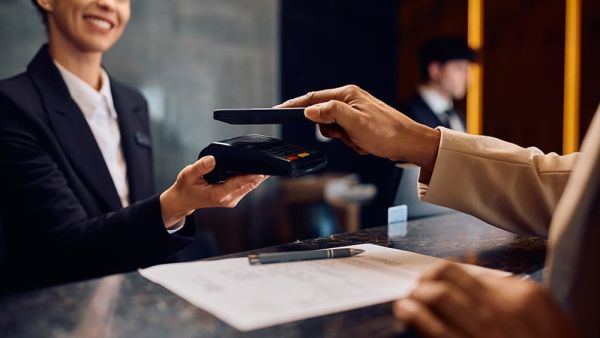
column 450, row 302
column 190, row 191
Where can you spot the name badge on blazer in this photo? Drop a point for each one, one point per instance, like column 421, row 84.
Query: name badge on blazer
column 142, row 139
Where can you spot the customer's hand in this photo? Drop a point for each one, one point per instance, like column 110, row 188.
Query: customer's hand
column 450, row 302
column 190, row 191
column 368, row 125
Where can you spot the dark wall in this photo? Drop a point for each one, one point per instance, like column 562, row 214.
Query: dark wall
column 523, row 62
column 523, row 72
column 330, row 43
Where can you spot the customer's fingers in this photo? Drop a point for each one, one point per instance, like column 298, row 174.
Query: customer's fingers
column 457, row 276
column 426, row 322
column 450, row 302
column 315, row 97
column 332, row 131
column 333, row 111
column 337, row 132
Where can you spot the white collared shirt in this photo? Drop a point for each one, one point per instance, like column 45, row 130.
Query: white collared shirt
column 99, row 112
column 440, row 106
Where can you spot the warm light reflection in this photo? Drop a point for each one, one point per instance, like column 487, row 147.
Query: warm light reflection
column 475, row 90
column 572, row 76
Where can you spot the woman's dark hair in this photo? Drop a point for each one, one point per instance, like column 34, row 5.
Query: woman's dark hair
column 41, row 11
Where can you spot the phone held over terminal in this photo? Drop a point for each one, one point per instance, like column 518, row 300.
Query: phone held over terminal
column 260, row 154
column 260, row 115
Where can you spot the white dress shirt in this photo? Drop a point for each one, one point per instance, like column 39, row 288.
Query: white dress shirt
column 99, row 112
column 440, row 106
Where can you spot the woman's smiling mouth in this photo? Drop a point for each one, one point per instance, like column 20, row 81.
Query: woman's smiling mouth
column 100, row 23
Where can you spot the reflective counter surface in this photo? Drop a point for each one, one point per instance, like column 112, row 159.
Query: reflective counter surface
column 128, row 305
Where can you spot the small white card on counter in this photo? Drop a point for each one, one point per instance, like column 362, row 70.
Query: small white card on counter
column 397, row 216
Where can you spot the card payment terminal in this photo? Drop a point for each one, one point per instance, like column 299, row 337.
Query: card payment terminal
column 260, row 154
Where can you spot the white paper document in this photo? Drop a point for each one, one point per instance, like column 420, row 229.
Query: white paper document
column 250, row 297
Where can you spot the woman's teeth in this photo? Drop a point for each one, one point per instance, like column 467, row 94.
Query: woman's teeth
column 103, row 24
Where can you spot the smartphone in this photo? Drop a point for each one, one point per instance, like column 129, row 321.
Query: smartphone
column 260, row 154
column 260, row 115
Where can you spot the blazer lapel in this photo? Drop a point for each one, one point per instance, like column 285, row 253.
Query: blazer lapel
column 428, row 117
column 135, row 142
column 72, row 130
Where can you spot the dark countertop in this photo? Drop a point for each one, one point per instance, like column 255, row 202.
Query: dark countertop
column 127, row 305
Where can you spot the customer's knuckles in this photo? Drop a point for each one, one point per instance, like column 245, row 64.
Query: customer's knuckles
column 333, row 105
column 363, row 122
column 442, row 270
column 440, row 296
column 352, row 90
column 432, row 293
column 437, row 331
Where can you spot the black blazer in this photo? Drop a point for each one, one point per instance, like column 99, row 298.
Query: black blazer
column 62, row 216
column 417, row 109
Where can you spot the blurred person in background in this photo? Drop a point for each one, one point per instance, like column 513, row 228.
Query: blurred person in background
column 443, row 63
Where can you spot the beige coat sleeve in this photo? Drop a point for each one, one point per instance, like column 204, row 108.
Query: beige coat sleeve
column 501, row 183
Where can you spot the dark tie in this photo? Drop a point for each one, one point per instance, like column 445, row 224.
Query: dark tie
column 445, row 118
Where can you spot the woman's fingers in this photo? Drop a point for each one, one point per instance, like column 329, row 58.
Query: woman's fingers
column 196, row 170
column 238, row 182
column 233, row 190
column 237, row 196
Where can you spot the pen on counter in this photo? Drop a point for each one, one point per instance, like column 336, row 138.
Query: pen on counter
column 280, row 257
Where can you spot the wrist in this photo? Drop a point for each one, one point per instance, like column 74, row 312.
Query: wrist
column 423, row 142
column 429, row 148
column 171, row 208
